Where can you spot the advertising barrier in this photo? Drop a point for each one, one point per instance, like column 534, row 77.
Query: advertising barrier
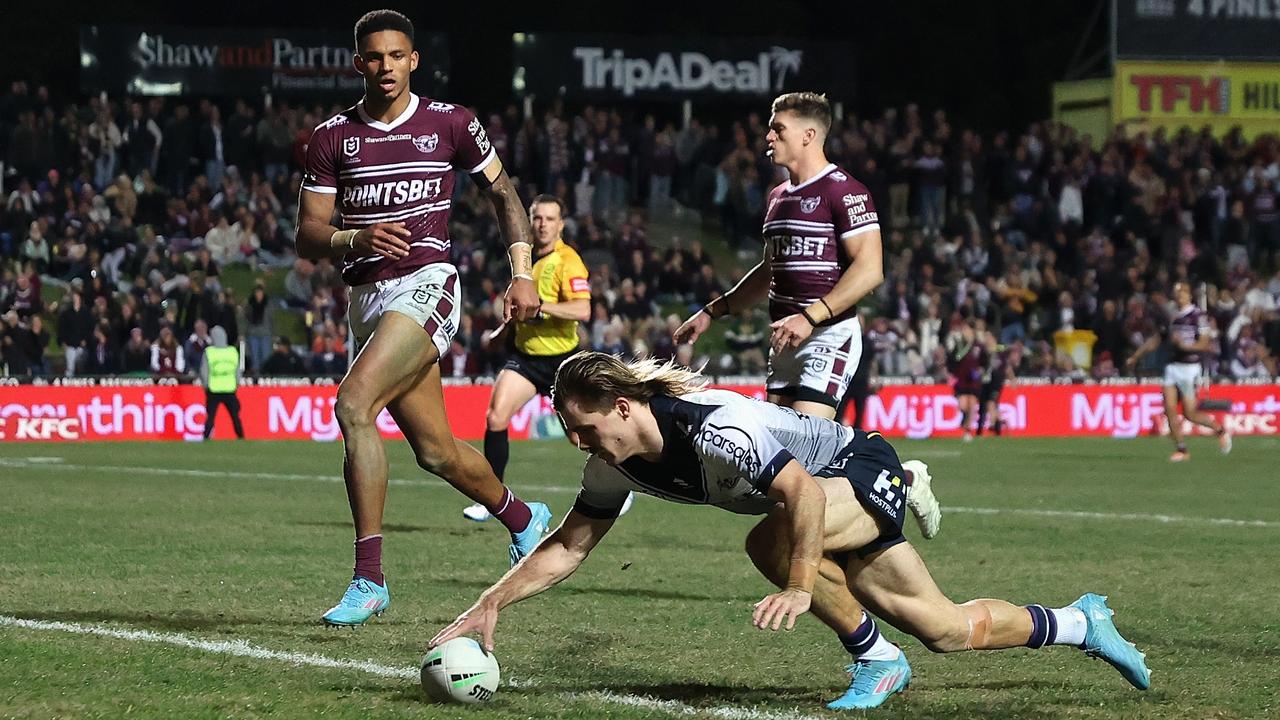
column 305, row 412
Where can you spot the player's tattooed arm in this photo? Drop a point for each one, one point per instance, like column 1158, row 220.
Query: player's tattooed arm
column 522, row 300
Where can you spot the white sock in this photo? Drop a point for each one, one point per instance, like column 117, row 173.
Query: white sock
column 881, row 650
column 1071, row 625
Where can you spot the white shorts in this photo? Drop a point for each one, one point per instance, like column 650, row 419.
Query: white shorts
column 430, row 295
column 1183, row 376
column 821, row 368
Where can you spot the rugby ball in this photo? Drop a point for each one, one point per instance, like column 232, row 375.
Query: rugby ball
column 460, row 671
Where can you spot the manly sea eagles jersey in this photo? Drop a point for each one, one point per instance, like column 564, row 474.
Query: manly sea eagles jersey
column 1187, row 325
column 719, row 448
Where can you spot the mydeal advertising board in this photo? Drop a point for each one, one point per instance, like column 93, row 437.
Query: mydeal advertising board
column 305, row 412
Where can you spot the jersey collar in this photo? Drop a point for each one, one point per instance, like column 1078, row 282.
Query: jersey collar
column 821, row 174
column 388, row 127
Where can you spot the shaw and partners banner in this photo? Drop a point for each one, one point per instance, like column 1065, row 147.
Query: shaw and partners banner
column 246, row 62
column 1197, row 29
column 305, row 412
column 1219, row 94
column 617, row 67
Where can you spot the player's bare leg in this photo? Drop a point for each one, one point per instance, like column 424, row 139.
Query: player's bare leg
column 420, row 413
column 1175, row 424
column 386, row 367
column 895, row 584
column 510, row 393
column 1191, row 411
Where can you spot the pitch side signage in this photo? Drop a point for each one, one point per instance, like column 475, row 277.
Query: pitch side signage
column 170, row 60
column 674, row 68
column 1197, row 29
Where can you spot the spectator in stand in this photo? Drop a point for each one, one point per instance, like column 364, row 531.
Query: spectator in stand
column 283, row 360
column 258, row 326
column 135, row 357
column 75, row 328
column 459, row 362
column 197, row 341
column 103, row 355
column 167, row 359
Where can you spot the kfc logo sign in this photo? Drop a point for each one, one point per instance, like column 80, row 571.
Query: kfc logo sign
column 47, row 428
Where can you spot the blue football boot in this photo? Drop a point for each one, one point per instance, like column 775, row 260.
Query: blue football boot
column 363, row 599
column 523, row 542
column 873, row 682
column 1102, row 640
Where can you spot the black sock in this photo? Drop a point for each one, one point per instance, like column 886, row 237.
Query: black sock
column 496, row 450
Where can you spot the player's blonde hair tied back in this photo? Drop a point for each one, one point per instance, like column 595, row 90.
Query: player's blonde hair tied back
column 596, row 379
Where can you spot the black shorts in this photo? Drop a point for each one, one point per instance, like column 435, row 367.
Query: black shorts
column 991, row 391
column 967, row 390
column 537, row 369
column 872, row 467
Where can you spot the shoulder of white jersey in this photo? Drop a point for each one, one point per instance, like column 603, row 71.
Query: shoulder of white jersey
column 341, row 118
column 437, row 106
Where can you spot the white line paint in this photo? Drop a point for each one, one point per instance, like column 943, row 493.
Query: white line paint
column 563, row 489
column 1083, row 515
column 676, row 707
column 241, row 648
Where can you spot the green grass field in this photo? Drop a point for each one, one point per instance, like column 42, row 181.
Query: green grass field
column 227, row 553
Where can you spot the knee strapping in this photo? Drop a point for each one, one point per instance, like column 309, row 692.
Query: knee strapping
column 979, row 624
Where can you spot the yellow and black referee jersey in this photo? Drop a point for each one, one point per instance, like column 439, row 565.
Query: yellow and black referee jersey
column 561, row 276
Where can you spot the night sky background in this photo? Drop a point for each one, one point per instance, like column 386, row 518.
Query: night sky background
column 991, row 64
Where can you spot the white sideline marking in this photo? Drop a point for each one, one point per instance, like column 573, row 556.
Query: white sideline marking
column 676, row 707
column 428, row 482
column 1082, row 515
column 241, row 648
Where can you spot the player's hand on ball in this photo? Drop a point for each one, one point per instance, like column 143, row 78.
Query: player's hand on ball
column 385, row 239
column 480, row 618
column 786, row 605
column 790, row 331
column 691, row 329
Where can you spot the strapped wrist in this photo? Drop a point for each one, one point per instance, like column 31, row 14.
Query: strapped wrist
column 343, row 239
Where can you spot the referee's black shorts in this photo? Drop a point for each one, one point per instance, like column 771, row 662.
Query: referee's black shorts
column 537, row 369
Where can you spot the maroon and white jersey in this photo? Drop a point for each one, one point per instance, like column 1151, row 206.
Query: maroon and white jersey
column 401, row 171
column 1187, row 326
column 803, row 227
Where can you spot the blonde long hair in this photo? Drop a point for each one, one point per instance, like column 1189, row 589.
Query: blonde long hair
column 595, row 380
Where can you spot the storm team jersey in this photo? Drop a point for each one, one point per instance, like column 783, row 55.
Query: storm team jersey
column 803, row 227
column 561, row 276
column 398, row 171
column 1186, row 326
column 719, row 448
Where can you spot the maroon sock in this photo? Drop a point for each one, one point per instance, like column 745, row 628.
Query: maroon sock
column 512, row 512
column 369, row 559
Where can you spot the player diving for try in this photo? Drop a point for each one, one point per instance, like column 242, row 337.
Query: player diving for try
column 831, row 538
column 822, row 254
column 387, row 166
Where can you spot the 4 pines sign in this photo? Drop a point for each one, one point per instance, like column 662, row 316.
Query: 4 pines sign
column 677, row 68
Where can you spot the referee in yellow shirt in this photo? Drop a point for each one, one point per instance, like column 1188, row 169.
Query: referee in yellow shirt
column 543, row 342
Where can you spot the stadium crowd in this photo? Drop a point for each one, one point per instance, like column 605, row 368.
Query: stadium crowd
column 126, row 227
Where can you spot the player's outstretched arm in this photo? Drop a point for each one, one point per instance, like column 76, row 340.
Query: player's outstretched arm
column 318, row 238
column 555, row 559
column 1150, row 344
column 750, row 290
column 805, row 504
column 579, row 309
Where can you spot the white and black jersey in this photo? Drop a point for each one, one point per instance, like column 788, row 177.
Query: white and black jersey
column 719, row 448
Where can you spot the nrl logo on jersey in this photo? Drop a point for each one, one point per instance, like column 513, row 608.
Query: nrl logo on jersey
column 351, row 146
column 808, row 205
column 426, row 143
